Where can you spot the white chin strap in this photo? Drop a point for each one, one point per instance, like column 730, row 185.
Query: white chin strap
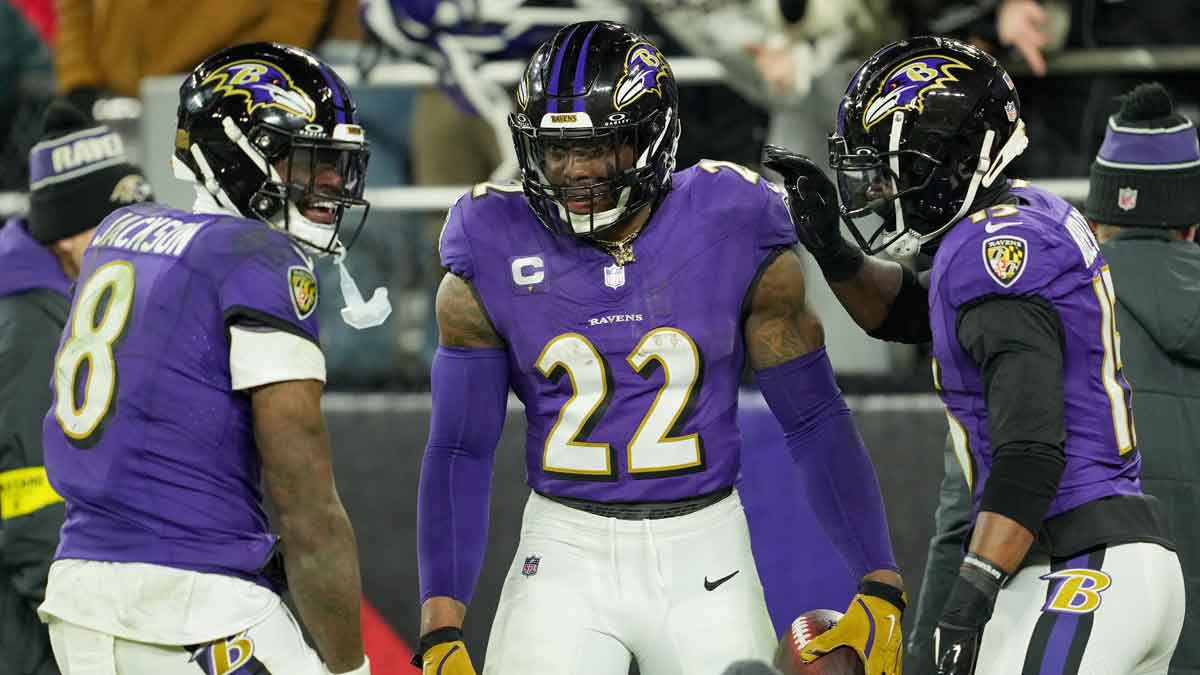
column 358, row 314
column 316, row 239
column 586, row 223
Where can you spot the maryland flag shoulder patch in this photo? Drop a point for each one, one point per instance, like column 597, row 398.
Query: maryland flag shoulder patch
column 303, row 287
column 1005, row 257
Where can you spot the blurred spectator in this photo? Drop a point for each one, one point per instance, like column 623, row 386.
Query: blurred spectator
column 108, row 47
column 1066, row 114
column 40, row 256
column 1146, row 219
column 26, row 72
column 804, row 60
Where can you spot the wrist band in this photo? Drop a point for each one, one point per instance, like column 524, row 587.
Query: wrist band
column 883, row 591
column 840, row 262
column 436, row 637
column 987, row 567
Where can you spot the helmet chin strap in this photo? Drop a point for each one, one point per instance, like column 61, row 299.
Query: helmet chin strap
column 585, row 224
column 908, row 242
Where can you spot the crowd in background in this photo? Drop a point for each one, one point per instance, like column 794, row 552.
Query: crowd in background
column 786, row 62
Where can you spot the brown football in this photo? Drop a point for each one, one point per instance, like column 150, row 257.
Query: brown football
column 841, row 661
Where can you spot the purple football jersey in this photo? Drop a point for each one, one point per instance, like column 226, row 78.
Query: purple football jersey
column 628, row 374
column 1042, row 247
column 146, row 441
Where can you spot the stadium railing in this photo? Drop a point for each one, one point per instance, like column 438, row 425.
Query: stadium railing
column 687, row 70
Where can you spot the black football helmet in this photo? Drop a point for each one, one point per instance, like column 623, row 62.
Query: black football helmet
column 926, row 127
column 271, row 132
column 599, row 88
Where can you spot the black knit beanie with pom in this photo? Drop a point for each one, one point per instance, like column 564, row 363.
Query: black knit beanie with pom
column 1147, row 173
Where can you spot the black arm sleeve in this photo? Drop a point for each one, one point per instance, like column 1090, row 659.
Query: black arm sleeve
column 1018, row 345
column 908, row 319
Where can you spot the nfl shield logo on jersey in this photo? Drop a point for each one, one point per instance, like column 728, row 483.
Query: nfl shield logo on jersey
column 1127, row 199
column 1005, row 258
column 614, row 276
column 530, row 567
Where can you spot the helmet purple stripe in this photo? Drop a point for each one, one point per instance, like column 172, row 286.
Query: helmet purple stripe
column 578, row 87
column 552, row 104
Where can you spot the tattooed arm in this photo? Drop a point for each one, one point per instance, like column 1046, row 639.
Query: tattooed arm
column 786, row 348
column 320, row 552
column 780, row 326
column 460, row 316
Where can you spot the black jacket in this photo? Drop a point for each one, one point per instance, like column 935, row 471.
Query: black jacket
column 33, row 310
column 1157, row 281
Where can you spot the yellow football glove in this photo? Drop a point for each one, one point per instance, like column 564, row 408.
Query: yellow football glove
column 870, row 626
column 444, row 658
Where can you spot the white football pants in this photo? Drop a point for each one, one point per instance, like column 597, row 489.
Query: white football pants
column 274, row 645
column 586, row 593
column 1113, row 611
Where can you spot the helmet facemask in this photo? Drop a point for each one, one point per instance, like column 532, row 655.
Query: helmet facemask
column 307, row 185
column 560, row 166
column 321, row 183
column 900, row 201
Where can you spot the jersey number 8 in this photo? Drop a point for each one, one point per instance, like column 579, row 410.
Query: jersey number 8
column 91, row 342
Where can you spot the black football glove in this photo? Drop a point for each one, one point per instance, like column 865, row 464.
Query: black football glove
column 812, row 198
column 957, row 649
column 959, row 633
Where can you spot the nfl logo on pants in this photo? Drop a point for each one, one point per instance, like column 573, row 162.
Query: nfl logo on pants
column 530, row 567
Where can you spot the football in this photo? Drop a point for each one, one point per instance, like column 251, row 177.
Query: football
column 841, row 661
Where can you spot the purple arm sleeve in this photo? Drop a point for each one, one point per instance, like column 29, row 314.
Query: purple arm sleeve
column 470, row 395
column 833, row 462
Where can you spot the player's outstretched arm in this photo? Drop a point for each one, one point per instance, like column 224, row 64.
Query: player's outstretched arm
column 787, row 351
column 883, row 297
column 320, row 552
column 469, row 384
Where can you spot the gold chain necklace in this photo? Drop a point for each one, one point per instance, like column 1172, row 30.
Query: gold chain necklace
column 621, row 251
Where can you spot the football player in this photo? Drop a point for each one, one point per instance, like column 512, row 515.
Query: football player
column 619, row 300
column 1019, row 306
column 190, row 374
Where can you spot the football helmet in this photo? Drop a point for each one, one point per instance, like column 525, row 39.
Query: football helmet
column 272, row 133
column 600, row 91
column 927, row 125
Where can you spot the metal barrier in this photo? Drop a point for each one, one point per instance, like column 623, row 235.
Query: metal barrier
column 695, row 71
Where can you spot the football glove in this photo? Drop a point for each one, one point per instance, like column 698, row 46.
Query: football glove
column 872, row 623
column 959, row 632
column 813, row 202
column 957, row 649
column 443, row 652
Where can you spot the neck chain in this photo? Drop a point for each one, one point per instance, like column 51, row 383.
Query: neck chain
column 621, row 251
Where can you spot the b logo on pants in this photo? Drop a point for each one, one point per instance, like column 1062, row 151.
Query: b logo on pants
column 1076, row 591
column 229, row 656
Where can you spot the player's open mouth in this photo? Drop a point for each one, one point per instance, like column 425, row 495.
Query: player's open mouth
column 320, row 211
column 582, row 205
